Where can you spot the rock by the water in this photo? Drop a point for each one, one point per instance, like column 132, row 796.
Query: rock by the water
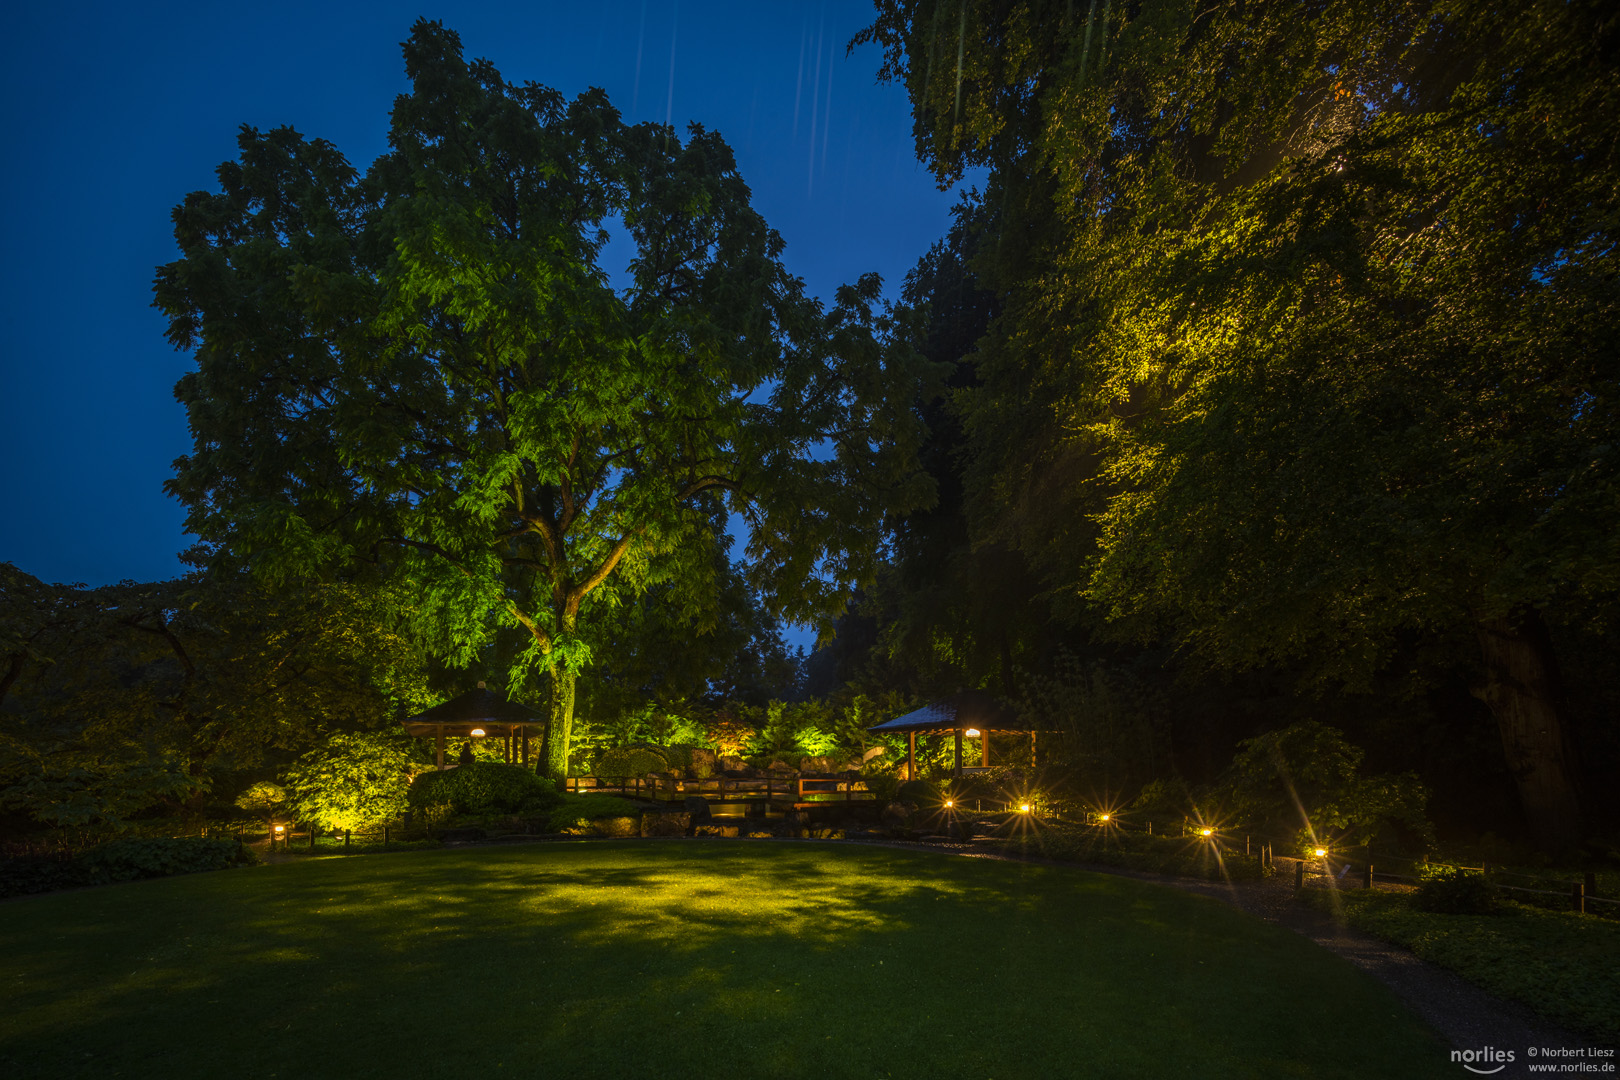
column 698, row 807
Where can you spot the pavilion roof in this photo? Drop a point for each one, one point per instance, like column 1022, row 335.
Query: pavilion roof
column 476, row 708
column 967, row 709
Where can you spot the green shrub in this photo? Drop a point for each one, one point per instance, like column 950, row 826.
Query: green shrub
column 126, row 860
column 632, row 761
column 29, row 875
column 924, row 794
column 1452, row 890
column 482, row 789
column 883, row 785
column 578, row 812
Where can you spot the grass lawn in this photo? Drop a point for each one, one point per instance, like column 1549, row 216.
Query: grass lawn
column 678, row 959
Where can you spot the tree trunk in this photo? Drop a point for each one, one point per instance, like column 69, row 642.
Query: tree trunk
column 1521, row 691
column 559, row 722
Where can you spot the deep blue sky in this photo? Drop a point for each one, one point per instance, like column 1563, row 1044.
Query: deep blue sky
column 112, row 112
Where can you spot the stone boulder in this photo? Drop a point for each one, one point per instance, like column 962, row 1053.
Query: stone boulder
column 732, row 764
column 824, row 765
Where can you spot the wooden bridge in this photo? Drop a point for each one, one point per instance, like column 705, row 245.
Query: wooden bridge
column 779, row 792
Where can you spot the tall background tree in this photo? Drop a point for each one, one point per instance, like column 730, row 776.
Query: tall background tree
column 426, row 371
column 1306, row 350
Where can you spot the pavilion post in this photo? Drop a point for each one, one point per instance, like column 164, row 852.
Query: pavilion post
column 911, row 755
column 438, row 732
column 984, row 747
column 1032, row 748
column 958, row 750
column 509, row 746
column 525, row 730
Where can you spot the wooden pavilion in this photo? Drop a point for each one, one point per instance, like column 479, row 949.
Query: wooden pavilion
column 969, row 714
column 478, row 714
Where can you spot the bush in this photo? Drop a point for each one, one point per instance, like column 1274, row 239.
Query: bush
column 577, row 813
column 126, row 860
column 632, row 761
column 483, row 789
column 923, row 794
column 121, row 860
column 1452, row 890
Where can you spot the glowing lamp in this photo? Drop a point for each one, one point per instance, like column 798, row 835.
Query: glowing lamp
column 972, row 733
column 949, row 803
column 477, row 732
column 1206, row 832
column 1103, row 817
column 1321, row 852
column 281, row 828
column 1023, row 808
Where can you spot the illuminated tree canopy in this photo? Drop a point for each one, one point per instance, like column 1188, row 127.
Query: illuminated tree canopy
column 423, row 371
column 1307, row 342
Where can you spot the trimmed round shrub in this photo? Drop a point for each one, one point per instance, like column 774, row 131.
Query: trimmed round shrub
column 631, row 761
column 484, row 788
column 1452, row 890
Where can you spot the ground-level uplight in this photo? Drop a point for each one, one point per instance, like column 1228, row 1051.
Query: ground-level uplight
column 1206, row 832
column 1104, row 817
column 949, row 803
column 1321, row 852
column 1023, row 808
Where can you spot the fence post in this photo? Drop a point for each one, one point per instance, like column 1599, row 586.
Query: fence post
column 1299, row 874
column 312, row 837
column 1577, row 898
column 345, row 839
column 1246, row 845
column 1150, row 828
column 1367, row 876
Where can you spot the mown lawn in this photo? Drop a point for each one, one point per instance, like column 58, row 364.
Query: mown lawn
column 675, row 959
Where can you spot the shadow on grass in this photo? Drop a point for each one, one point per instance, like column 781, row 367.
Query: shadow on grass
column 752, row 959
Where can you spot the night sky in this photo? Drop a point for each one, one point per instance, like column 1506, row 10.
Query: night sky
column 113, row 113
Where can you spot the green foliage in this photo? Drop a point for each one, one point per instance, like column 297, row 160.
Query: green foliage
column 631, row 761
column 1455, row 890
column 1558, row 963
column 483, row 789
column 121, row 860
column 578, row 812
column 262, row 799
column 923, row 794
column 1110, row 721
column 353, row 780
column 474, row 412
column 1310, row 769
column 1177, row 856
column 1303, row 327
column 139, row 698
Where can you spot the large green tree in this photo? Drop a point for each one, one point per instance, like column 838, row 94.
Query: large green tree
column 144, row 697
column 426, row 367
column 1325, row 295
